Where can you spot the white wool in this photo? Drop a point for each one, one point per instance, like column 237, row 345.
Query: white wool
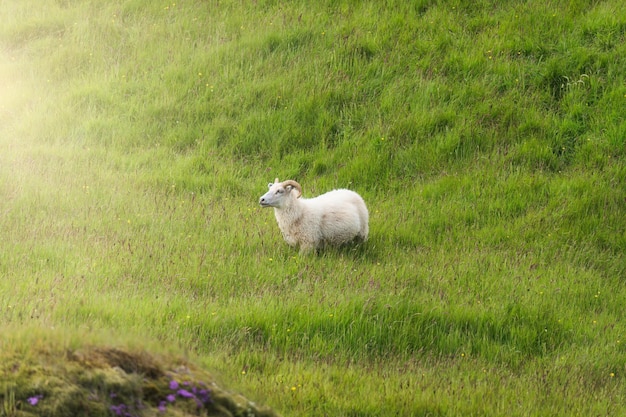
column 334, row 218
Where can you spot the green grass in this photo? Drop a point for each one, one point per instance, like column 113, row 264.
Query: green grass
column 488, row 141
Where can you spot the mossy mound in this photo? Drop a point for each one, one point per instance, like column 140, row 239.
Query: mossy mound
column 105, row 381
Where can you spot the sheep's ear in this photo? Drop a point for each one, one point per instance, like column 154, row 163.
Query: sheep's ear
column 289, row 188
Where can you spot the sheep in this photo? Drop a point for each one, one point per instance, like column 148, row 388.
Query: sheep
column 334, row 218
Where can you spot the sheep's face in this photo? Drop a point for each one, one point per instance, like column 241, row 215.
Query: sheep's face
column 279, row 195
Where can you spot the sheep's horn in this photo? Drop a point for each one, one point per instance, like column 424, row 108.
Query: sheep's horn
column 276, row 181
column 294, row 185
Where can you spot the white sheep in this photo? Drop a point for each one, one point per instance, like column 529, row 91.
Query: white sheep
column 334, row 218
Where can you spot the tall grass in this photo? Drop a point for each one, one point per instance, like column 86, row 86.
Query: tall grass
column 487, row 140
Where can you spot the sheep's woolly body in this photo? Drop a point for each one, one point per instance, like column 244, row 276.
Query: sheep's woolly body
column 334, row 218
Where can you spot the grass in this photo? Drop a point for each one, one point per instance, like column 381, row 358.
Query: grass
column 74, row 379
column 487, row 140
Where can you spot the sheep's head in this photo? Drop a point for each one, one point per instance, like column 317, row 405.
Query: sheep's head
column 280, row 193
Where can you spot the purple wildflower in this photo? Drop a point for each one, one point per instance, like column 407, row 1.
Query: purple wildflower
column 173, row 384
column 171, row 398
column 119, row 410
column 162, row 406
column 204, row 396
column 184, row 393
column 34, row 400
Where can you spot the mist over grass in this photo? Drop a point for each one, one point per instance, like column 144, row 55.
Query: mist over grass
column 488, row 141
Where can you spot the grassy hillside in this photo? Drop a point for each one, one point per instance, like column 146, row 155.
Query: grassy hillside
column 487, row 138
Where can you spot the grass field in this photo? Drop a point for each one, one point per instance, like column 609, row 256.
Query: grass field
column 487, row 138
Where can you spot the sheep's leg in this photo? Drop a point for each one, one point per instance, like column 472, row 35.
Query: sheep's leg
column 306, row 248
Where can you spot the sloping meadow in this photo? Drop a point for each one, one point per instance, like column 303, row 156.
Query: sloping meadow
column 487, row 139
